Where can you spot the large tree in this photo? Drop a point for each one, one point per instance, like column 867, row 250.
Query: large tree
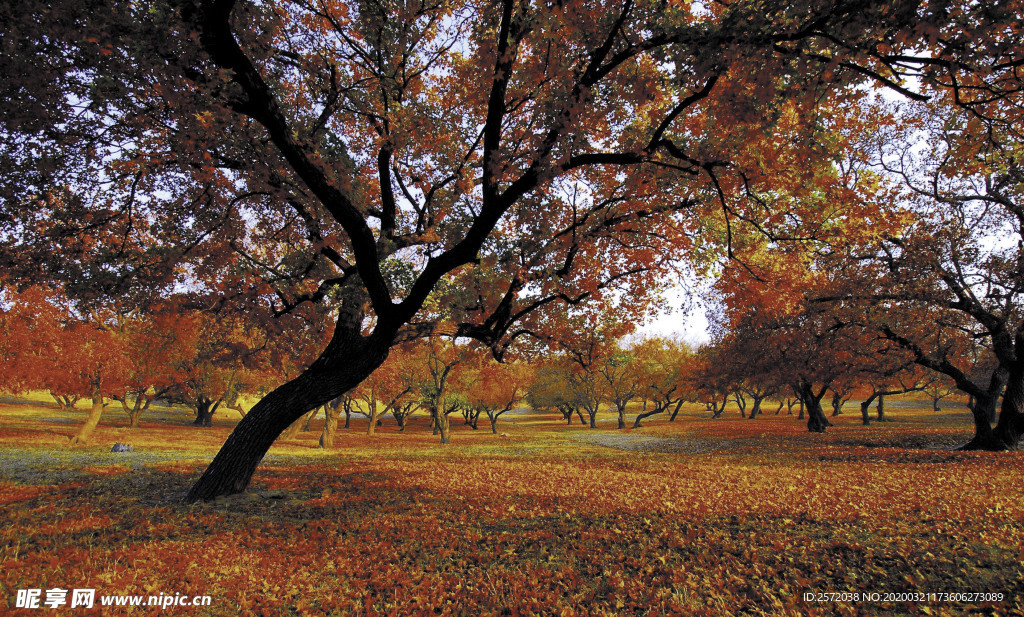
column 506, row 156
column 952, row 280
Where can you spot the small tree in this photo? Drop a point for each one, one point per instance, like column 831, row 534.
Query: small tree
column 495, row 388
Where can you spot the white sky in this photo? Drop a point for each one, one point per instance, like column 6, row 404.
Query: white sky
column 683, row 316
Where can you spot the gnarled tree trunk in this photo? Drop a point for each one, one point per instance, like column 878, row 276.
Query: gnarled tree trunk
column 1011, row 417
column 205, row 408
column 816, row 420
column 330, row 428
column 348, row 360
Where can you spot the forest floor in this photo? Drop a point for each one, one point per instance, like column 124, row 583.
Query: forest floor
column 693, row 517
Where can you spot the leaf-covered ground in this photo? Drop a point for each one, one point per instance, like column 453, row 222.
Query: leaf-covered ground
column 696, row 517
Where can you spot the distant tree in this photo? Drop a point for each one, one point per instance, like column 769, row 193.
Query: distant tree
column 662, row 366
column 551, row 389
column 440, row 390
column 496, row 388
column 621, row 381
column 50, row 347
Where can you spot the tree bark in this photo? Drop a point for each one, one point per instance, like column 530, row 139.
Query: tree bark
column 880, row 408
column 205, row 408
column 659, row 407
column 372, row 415
column 135, row 415
column 865, row 415
column 1010, row 427
column 567, row 412
column 741, row 402
column 755, row 407
column 330, row 429
column 442, row 427
column 136, row 409
column 837, row 404
column 716, row 410
column 399, row 414
column 816, row 420
column 675, row 412
column 85, row 432
column 348, row 360
column 1011, row 417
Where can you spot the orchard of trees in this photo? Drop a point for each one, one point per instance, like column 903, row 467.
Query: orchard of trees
column 457, row 206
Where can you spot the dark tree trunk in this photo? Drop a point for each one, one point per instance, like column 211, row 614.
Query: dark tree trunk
column 716, row 410
column 755, row 406
column 205, row 408
column 1011, row 417
column 741, row 402
column 837, row 404
column 1010, row 427
column 348, row 360
column 309, row 420
column 135, row 416
column 399, row 418
column 675, row 412
column 579, row 414
column 865, row 415
column 816, row 420
column 592, row 414
column 494, row 414
column 567, row 412
column 880, row 408
column 984, row 437
column 621, row 409
column 659, row 407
